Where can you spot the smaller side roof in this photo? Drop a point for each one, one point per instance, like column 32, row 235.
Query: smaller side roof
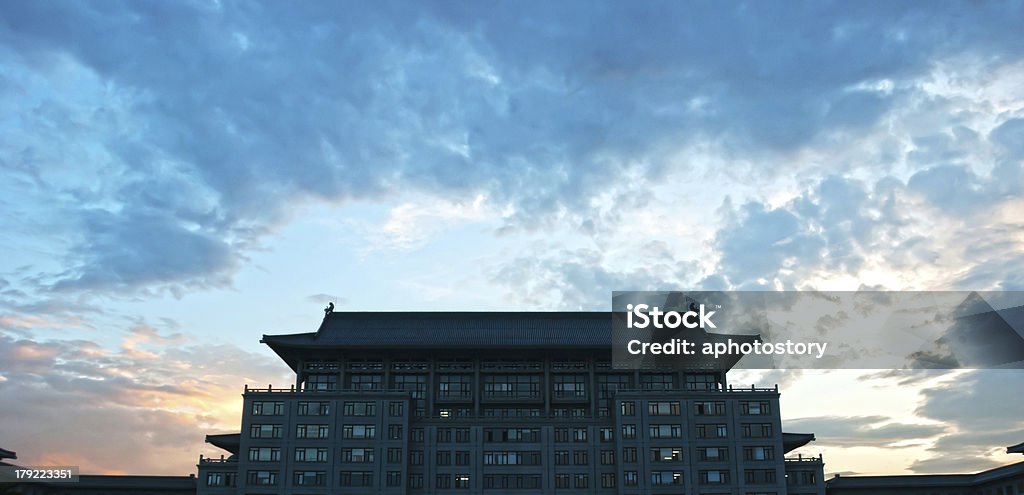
column 793, row 441
column 8, row 454
column 227, row 441
column 1016, row 449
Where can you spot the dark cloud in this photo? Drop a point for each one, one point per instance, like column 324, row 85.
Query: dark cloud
column 862, row 431
column 200, row 126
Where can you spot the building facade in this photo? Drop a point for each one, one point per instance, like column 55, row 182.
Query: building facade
column 439, row 403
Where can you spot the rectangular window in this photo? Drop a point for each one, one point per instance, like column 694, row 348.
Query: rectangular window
column 461, row 481
column 363, row 382
column 759, row 476
column 444, row 458
column 394, row 456
column 360, row 408
column 658, row 381
column 264, row 454
column 516, row 458
column 443, row 481
column 415, row 457
column 561, row 457
column 455, row 387
column 394, row 432
column 461, row 457
column 321, row 382
column 628, row 432
column 755, row 408
column 310, row 454
column 357, row 455
column 572, row 386
column 714, row 477
column 561, row 480
column 396, row 409
column 416, row 434
column 629, row 454
column 512, row 386
column 628, row 408
column 416, row 480
column 709, row 408
column 311, row 431
column 664, row 478
column 629, row 478
column 309, row 478
column 359, row 431
column 607, row 434
column 514, row 481
column 394, row 478
column 712, row 431
column 264, row 408
column 220, row 479
column 713, row 453
column 579, row 434
column 607, row 480
column 579, row 457
column 306, row 408
column 666, row 454
column 758, row 453
column 607, row 457
column 757, row 430
column 444, row 435
column 666, row 431
column 512, row 435
column 262, row 478
column 462, row 435
column 265, row 431
column 702, row 381
column 356, row 478
column 581, row 480
column 663, row 408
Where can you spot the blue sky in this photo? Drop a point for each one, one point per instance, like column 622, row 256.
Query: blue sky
column 179, row 178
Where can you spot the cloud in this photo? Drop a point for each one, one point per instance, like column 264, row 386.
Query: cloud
column 863, row 431
column 185, row 159
column 157, row 393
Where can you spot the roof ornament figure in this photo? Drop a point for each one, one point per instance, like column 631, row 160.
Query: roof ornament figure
column 329, row 309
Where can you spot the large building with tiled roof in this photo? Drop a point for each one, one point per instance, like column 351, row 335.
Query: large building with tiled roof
column 439, row 403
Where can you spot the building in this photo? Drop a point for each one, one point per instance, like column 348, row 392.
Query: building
column 1003, row 480
column 437, row 403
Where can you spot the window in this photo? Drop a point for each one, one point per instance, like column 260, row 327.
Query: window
column 757, row 408
column 608, row 384
column 321, row 382
column 607, row 434
column 709, row 408
column 514, row 481
column 629, row 454
column 313, row 408
column 416, row 434
column 579, row 434
column 561, row 480
column 628, row 432
column 663, row 408
column 561, row 434
column 712, row 431
column 394, row 432
column 757, row 430
column 607, row 457
column 461, row 481
column 570, row 386
column 220, row 479
column 512, row 435
column 658, row 381
column 607, row 480
column 415, row 457
column 394, row 456
column 714, row 477
column 758, row 453
column 358, row 431
column 357, row 455
column 628, row 408
column 713, row 453
column 360, row 408
column 262, row 408
column 444, row 458
column 662, row 478
column 561, row 457
column 394, row 478
column 310, row 454
column 309, row 478
column 264, row 454
column 415, row 480
column 311, row 431
column 462, row 435
column 666, row 431
column 265, row 431
column 443, row 481
column 396, row 409
column 702, row 381
column 515, row 386
column 517, row 458
column 356, row 478
column 754, row 476
column 455, row 387
column 581, row 480
column 264, row 478
column 461, row 457
column 363, row 382
column 416, row 385
column 629, row 478
column 810, row 478
column 579, row 457
column 666, row 454
column 444, row 435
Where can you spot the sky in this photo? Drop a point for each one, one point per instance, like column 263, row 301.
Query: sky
column 179, row 178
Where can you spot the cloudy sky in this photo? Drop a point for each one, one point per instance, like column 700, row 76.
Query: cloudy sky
column 179, row 178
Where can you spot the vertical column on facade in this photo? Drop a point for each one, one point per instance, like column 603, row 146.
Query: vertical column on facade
column 547, row 385
column 478, row 387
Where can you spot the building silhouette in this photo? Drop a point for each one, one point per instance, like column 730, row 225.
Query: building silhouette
column 436, row 403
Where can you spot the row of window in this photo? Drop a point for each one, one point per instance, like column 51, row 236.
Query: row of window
column 461, row 385
column 323, row 408
column 320, row 431
column 700, row 408
column 519, row 458
column 749, row 430
column 492, row 481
